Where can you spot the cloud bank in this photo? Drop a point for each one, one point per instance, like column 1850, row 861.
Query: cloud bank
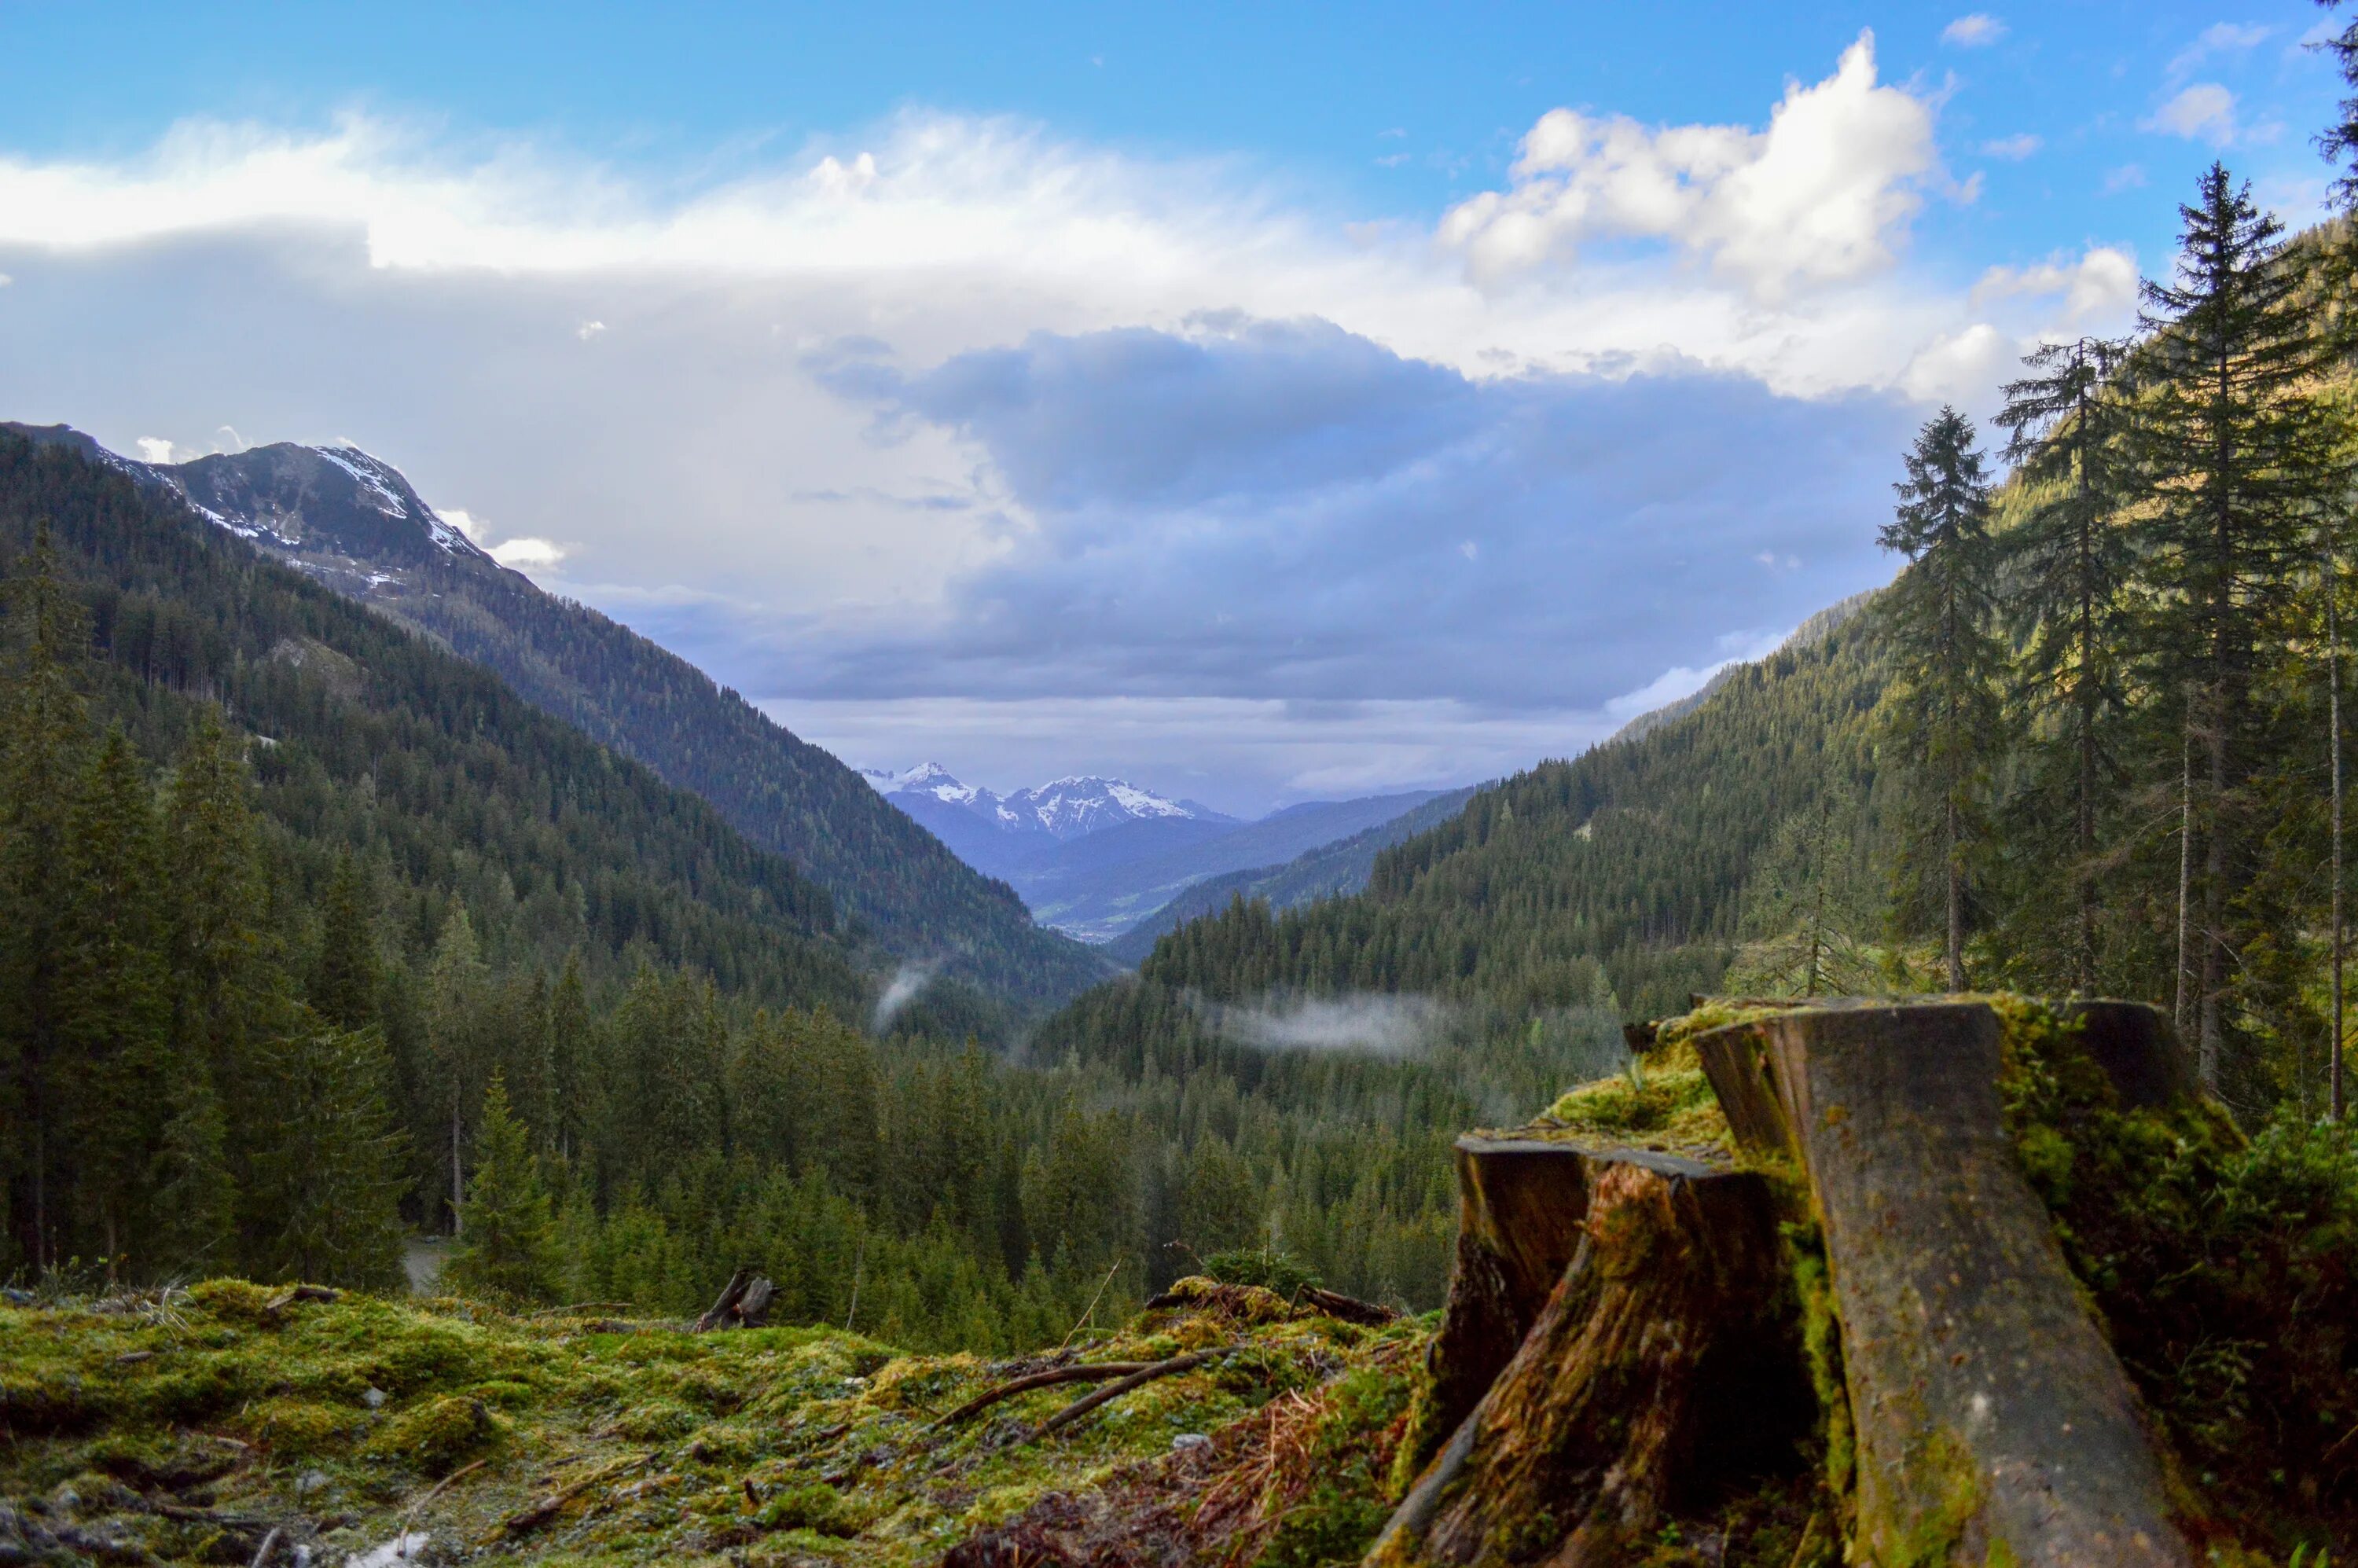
column 1157, row 466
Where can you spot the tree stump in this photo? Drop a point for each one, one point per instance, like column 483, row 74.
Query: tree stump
column 1991, row 1417
column 1520, row 1204
column 1571, row 1452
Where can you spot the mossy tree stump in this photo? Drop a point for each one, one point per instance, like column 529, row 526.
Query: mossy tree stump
column 1993, row 1422
column 1569, row 1455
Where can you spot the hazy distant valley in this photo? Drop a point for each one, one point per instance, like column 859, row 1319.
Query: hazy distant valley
column 1099, row 857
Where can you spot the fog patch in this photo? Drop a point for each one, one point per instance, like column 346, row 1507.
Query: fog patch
column 1377, row 1022
column 907, row 981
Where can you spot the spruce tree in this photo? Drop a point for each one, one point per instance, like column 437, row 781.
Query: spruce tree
column 112, row 1010
column 2339, row 142
column 327, row 1172
column 456, row 983
column 44, row 734
column 507, row 1238
column 1942, row 709
column 572, row 1063
column 2224, row 441
column 2071, row 557
column 343, row 989
column 215, row 893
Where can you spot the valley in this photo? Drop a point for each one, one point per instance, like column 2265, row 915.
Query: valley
column 1773, row 991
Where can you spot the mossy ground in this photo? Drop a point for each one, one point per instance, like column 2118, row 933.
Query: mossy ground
column 183, row 1428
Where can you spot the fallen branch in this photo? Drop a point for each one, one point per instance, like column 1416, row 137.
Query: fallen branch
column 1093, row 1303
column 1096, row 1372
column 578, row 1306
column 269, row 1545
column 545, row 1509
column 1112, row 1392
column 299, row 1294
column 1348, row 1309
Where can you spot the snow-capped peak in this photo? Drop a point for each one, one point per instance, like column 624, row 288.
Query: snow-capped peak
column 385, row 489
column 1063, row 808
column 925, row 778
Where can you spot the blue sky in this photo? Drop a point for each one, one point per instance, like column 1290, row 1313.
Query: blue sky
column 1264, row 402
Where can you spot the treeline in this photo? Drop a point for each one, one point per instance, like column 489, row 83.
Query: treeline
column 2115, row 714
column 315, row 938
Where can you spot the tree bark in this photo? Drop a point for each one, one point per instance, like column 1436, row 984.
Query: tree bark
column 1520, row 1204
column 1990, row 1413
column 1571, row 1456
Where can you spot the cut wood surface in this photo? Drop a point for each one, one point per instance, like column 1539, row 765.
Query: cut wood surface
column 1991, row 1415
column 1570, row 1455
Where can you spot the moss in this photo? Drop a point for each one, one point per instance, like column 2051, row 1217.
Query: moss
column 1663, row 1102
column 547, row 1404
column 658, row 1421
column 436, row 1437
column 294, row 1428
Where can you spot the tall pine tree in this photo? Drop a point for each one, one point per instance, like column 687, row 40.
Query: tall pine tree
column 44, row 735
column 2072, row 556
column 2223, row 439
column 507, row 1235
column 1942, row 709
column 111, row 1004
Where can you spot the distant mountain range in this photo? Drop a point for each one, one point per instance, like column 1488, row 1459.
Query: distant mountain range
column 354, row 523
column 1096, row 857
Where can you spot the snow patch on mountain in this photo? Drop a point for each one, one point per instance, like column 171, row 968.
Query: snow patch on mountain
column 1063, row 808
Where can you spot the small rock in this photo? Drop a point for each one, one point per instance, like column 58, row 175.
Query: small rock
column 1190, row 1443
column 374, row 1399
column 310, row 1481
column 16, row 1298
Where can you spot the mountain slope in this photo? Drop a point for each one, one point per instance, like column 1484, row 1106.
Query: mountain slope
column 352, row 522
column 377, row 741
column 1624, row 868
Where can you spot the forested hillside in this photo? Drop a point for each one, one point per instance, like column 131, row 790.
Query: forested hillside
column 353, row 523
column 2087, row 742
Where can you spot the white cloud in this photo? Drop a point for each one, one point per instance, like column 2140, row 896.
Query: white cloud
column 2128, row 176
column 6, row 280
column 2219, row 38
column 523, row 553
column 471, row 526
column 2103, row 284
column 588, row 329
column 1956, row 366
column 1974, row 32
column 1823, row 195
column 2203, row 111
column 153, row 449
column 2014, row 148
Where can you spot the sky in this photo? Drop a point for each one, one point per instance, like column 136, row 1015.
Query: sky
column 1260, row 403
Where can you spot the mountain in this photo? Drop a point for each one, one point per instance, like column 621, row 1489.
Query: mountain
column 370, row 739
column 1095, row 857
column 997, row 833
column 353, row 524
